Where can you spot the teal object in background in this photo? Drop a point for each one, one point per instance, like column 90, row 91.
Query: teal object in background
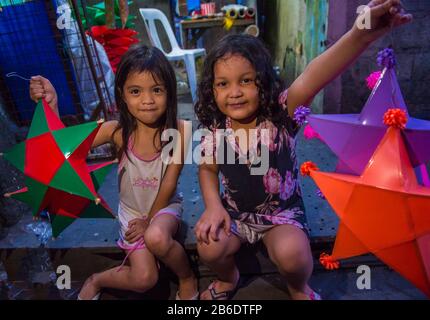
column 5, row 3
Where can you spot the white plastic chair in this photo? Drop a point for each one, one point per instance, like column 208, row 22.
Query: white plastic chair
column 187, row 55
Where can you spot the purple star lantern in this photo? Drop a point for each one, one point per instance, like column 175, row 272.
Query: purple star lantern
column 354, row 137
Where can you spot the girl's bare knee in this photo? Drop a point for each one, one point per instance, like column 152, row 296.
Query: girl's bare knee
column 293, row 260
column 157, row 241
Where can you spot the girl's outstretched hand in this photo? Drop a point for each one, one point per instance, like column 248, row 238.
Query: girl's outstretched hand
column 210, row 222
column 383, row 16
column 136, row 230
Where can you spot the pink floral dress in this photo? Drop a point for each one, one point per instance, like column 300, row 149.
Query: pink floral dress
column 257, row 203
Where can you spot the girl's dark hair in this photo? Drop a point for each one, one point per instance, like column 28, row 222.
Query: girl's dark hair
column 267, row 81
column 140, row 58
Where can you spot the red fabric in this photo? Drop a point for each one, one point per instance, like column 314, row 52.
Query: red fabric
column 116, row 42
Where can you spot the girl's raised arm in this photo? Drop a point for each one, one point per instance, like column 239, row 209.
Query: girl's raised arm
column 41, row 87
column 384, row 15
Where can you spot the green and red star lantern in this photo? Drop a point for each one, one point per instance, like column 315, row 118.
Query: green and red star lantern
column 58, row 179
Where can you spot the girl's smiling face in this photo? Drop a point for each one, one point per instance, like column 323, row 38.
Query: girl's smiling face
column 235, row 90
column 146, row 97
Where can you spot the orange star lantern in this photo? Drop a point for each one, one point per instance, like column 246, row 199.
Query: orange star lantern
column 384, row 211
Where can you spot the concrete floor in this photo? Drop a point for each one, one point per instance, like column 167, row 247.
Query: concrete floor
column 337, row 285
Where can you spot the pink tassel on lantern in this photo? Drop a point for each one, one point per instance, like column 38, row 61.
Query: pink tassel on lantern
column 372, row 79
column 310, row 133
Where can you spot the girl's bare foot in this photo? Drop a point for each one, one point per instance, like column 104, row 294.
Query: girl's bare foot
column 308, row 294
column 188, row 288
column 90, row 289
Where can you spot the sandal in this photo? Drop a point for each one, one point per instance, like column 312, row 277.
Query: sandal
column 228, row 295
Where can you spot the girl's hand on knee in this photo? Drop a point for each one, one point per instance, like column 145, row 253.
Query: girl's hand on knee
column 136, row 230
column 210, row 222
column 381, row 16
